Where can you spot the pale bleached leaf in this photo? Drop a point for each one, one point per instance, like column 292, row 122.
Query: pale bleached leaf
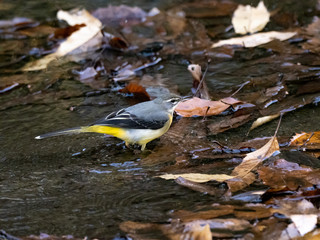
column 86, row 39
column 255, row 39
column 248, row 19
column 198, row 177
column 304, row 222
column 262, row 120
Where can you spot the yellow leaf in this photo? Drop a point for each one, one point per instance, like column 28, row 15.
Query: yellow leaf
column 308, row 139
column 198, row 177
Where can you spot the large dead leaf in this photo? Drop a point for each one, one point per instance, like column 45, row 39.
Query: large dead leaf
column 87, row 38
column 248, row 19
column 202, row 107
column 255, row 39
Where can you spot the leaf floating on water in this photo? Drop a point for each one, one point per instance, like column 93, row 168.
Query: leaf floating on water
column 198, row 177
column 248, row 19
column 255, row 39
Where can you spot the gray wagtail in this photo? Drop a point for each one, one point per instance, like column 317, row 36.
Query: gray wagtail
column 138, row 124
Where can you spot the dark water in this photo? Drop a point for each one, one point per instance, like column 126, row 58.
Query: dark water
column 86, row 185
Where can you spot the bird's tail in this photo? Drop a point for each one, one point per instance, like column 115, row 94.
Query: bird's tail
column 117, row 132
column 62, row 132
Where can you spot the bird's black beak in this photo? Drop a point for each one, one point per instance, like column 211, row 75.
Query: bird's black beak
column 185, row 98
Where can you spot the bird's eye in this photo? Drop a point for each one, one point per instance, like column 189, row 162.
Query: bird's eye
column 174, row 100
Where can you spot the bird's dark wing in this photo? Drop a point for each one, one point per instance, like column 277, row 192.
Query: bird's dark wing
column 125, row 119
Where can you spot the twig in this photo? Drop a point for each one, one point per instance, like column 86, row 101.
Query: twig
column 304, row 144
column 241, row 86
column 275, row 134
column 202, row 79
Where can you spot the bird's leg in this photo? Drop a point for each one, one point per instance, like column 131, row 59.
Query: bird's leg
column 143, row 146
column 127, row 144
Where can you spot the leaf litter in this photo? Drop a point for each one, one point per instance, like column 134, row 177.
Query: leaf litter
column 188, row 153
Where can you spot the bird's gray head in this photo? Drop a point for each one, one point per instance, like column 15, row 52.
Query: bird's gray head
column 169, row 102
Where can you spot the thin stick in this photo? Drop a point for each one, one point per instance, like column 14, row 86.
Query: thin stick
column 241, row 86
column 275, row 134
column 202, row 79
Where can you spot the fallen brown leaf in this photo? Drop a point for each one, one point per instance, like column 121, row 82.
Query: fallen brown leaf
column 282, row 173
column 202, row 107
